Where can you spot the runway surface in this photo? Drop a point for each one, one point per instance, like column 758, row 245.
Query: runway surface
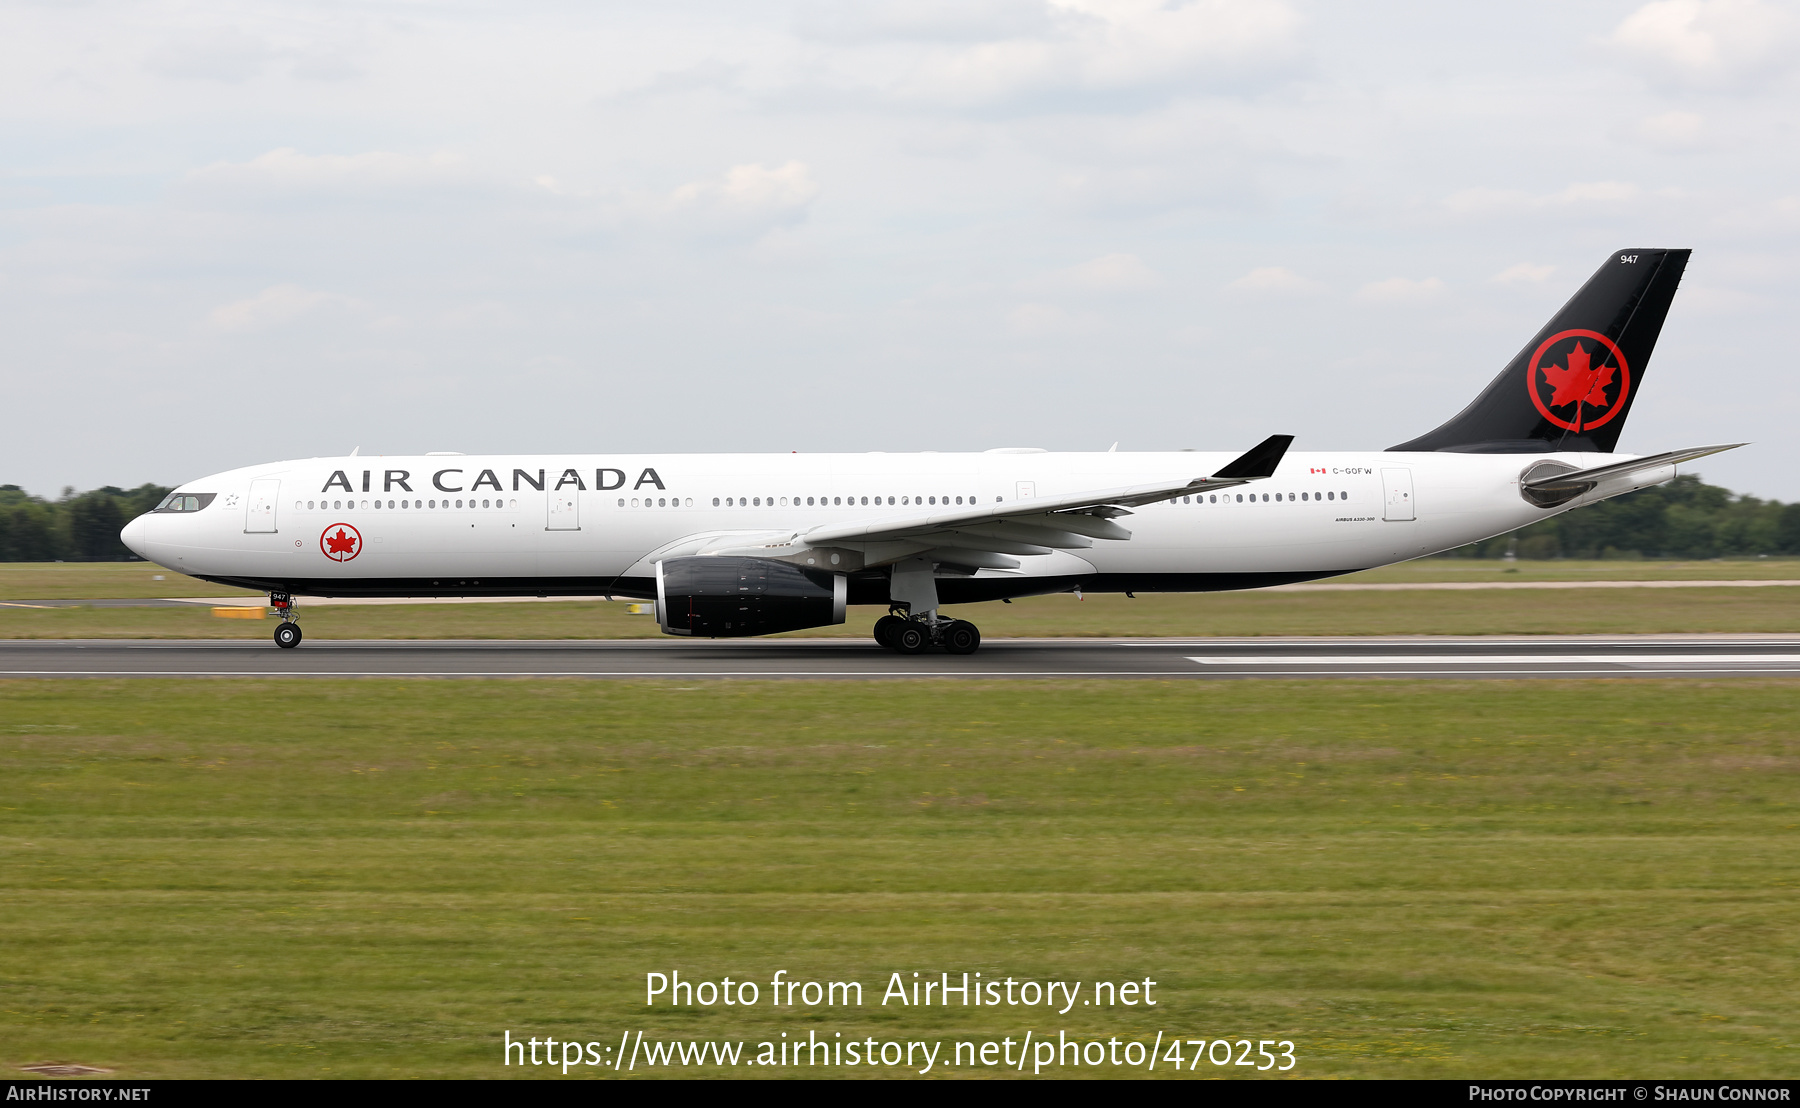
column 1535, row 657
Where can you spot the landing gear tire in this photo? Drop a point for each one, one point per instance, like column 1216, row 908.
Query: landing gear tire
column 287, row 636
column 961, row 637
column 884, row 630
column 910, row 638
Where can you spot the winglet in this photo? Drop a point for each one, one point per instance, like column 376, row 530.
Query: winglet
column 1259, row 461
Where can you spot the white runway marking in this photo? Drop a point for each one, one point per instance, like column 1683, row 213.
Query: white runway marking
column 1486, row 659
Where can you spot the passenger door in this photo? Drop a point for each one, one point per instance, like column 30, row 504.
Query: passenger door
column 563, row 508
column 1397, row 486
column 259, row 509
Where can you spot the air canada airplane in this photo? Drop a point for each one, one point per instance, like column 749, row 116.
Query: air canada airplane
column 731, row 545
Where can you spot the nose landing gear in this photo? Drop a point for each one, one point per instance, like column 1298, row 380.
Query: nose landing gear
column 287, row 632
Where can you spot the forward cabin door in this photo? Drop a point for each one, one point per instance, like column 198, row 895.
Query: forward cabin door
column 1396, row 485
column 259, row 509
column 562, row 511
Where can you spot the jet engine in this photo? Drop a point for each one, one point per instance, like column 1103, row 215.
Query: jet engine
column 727, row 598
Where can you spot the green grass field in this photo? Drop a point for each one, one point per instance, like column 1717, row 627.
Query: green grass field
column 374, row 878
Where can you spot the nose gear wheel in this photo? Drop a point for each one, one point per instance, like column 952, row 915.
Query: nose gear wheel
column 287, row 632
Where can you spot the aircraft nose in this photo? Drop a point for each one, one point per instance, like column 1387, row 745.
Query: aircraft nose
column 133, row 536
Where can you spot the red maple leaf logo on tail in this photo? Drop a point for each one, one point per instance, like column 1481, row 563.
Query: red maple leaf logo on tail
column 340, row 543
column 1580, row 382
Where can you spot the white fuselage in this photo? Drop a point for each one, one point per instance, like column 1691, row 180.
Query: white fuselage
column 432, row 525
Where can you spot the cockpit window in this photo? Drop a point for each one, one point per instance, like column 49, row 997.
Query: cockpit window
column 185, row 502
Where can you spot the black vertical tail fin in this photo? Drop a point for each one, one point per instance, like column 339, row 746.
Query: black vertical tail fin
column 1572, row 386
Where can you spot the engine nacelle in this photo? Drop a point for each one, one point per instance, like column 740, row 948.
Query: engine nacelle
column 728, row 598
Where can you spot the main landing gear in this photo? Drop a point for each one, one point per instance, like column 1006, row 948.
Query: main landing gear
column 287, row 632
column 905, row 635
column 912, row 625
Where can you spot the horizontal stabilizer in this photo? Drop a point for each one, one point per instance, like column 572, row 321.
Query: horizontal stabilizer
column 1623, row 469
column 1259, row 461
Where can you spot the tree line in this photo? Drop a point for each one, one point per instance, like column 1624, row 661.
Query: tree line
column 76, row 527
column 1685, row 518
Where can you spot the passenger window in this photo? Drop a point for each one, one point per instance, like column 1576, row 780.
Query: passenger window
column 622, row 502
column 1240, row 497
column 715, row 502
column 1332, row 495
column 1343, row 496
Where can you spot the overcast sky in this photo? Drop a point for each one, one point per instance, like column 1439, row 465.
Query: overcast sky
column 233, row 233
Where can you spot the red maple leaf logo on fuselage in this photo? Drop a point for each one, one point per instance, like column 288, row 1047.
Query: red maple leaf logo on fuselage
column 340, row 543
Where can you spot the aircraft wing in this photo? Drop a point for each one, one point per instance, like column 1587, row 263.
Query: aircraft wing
column 1040, row 524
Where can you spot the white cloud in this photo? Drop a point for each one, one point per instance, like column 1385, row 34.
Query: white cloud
column 1116, row 45
column 223, row 54
column 1710, row 43
column 271, row 307
column 1400, row 290
column 1523, row 272
column 885, row 21
column 750, row 192
column 1598, row 194
column 1673, row 130
column 1275, row 279
column 286, row 169
column 1109, row 273
column 1049, row 321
